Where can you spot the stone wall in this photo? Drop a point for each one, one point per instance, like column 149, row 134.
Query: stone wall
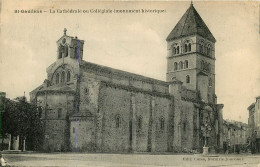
column 115, row 104
column 187, row 126
column 82, row 134
column 141, row 127
column 56, row 107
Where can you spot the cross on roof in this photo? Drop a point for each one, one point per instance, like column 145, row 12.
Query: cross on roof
column 65, row 30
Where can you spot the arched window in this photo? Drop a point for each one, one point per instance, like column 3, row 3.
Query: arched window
column 68, row 76
column 60, row 51
column 210, row 82
column 175, row 66
column 189, row 47
column 208, row 67
column 139, row 122
column 62, row 77
column 57, row 78
column 162, row 123
column 209, row 50
column 187, row 79
column 181, row 65
column 201, row 47
column 118, row 121
column 186, row 64
column 66, row 51
column 175, row 48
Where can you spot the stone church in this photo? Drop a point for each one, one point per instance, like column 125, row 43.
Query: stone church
column 89, row 107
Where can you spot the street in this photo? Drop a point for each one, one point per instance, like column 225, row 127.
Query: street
column 130, row 160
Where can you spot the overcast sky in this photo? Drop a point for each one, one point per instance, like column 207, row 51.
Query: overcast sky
column 131, row 42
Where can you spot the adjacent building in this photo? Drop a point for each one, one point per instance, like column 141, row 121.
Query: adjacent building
column 254, row 125
column 235, row 134
column 89, row 107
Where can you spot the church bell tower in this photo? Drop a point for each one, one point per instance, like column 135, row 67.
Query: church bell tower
column 69, row 47
column 191, row 55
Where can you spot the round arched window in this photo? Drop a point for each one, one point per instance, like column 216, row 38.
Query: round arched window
column 175, row 66
column 62, row 77
column 187, row 79
column 68, row 76
column 181, row 65
column 186, row 64
column 57, row 78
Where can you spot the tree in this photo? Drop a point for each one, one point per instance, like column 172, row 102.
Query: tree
column 22, row 118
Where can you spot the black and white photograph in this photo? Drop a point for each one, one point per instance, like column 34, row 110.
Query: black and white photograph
column 129, row 83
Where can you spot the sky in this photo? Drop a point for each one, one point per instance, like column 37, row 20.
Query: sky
column 131, row 42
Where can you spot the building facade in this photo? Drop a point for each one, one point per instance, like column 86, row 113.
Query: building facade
column 235, row 136
column 89, row 107
column 254, row 125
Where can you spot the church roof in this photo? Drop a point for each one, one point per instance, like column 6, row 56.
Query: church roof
column 191, row 23
column 110, row 70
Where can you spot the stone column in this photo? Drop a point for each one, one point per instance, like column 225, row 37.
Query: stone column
column 9, row 142
column 133, row 123
column 16, row 143
column 153, row 125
